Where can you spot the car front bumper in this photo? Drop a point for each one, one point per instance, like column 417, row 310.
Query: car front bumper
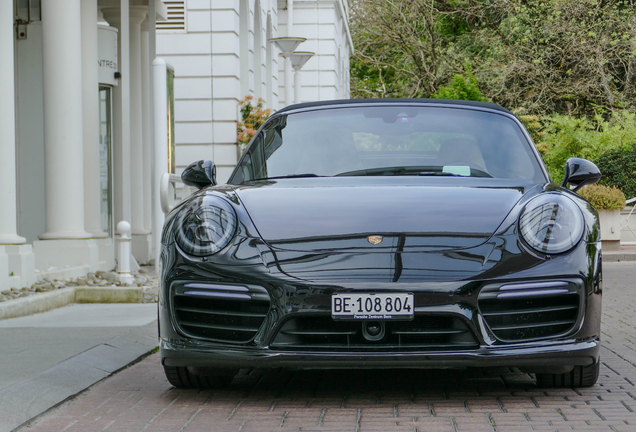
column 527, row 356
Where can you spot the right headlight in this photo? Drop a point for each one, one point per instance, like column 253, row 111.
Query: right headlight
column 551, row 223
column 205, row 226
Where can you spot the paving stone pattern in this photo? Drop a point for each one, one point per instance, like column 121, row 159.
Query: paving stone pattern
column 492, row 400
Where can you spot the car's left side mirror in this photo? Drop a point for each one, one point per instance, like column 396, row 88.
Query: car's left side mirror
column 200, row 174
column 580, row 172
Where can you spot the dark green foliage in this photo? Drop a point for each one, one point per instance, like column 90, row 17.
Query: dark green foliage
column 461, row 87
column 619, row 169
column 551, row 56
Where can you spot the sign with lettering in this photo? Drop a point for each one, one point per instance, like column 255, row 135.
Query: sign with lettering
column 107, row 54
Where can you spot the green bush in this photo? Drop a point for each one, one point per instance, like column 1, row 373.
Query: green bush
column 567, row 137
column 619, row 169
column 462, row 88
column 534, row 126
column 604, row 197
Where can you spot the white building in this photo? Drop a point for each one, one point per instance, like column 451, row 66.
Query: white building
column 220, row 53
column 76, row 147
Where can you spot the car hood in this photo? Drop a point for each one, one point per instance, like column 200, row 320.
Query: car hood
column 313, row 215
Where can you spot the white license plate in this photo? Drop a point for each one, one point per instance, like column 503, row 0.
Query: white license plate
column 372, row 306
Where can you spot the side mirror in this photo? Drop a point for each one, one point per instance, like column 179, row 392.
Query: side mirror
column 200, row 174
column 580, row 172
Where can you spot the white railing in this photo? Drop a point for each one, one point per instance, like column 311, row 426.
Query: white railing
column 169, row 194
column 625, row 220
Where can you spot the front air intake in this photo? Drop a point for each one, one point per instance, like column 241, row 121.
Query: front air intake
column 531, row 310
column 220, row 312
column 429, row 332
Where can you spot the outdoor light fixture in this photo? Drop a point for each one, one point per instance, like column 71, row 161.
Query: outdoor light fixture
column 287, row 45
column 298, row 60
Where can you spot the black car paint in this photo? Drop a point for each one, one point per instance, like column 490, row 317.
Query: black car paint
column 301, row 276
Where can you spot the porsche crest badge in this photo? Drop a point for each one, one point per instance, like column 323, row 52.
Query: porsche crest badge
column 374, row 240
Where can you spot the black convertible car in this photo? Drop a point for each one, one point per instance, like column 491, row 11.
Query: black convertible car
column 404, row 233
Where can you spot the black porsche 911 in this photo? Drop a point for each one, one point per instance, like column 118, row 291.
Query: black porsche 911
column 391, row 233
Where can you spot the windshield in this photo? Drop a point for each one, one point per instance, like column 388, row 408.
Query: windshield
column 390, row 141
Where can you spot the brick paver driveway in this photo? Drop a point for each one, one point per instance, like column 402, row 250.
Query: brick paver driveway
column 140, row 399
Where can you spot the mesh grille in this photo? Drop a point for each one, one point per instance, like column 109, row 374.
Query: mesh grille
column 220, row 313
column 528, row 311
column 426, row 332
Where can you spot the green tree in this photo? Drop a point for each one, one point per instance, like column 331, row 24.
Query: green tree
column 549, row 56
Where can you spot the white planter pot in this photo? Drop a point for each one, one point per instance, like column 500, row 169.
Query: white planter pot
column 610, row 221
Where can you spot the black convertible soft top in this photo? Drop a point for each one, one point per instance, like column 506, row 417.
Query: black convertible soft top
column 389, row 100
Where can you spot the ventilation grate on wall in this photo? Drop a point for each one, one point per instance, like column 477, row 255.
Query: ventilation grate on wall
column 176, row 16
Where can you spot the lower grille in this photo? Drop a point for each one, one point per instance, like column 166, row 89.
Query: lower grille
column 223, row 313
column 529, row 311
column 424, row 332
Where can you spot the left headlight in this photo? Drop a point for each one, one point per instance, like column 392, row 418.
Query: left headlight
column 551, row 223
column 205, row 226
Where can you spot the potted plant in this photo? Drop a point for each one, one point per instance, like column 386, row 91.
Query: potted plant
column 609, row 201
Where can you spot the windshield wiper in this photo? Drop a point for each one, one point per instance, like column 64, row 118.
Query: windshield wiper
column 289, row 176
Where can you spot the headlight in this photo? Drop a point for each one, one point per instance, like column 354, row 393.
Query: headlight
column 551, row 223
column 205, row 226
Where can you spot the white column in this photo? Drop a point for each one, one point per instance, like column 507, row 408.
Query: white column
column 90, row 106
column 145, row 116
column 290, row 19
column 288, row 80
column 8, row 206
column 137, row 15
column 297, row 85
column 121, row 115
column 160, row 146
column 63, row 129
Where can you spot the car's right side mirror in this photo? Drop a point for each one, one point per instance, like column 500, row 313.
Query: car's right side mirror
column 580, row 172
column 200, row 174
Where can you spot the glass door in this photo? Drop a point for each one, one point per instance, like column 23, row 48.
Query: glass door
column 105, row 159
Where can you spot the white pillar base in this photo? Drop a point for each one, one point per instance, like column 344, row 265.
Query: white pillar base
column 4, row 269
column 106, row 248
column 22, row 264
column 142, row 247
column 64, row 235
column 11, row 239
column 52, row 255
column 97, row 234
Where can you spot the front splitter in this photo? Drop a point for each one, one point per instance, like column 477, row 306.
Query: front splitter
column 567, row 354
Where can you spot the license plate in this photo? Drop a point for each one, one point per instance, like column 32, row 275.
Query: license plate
column 372, row 306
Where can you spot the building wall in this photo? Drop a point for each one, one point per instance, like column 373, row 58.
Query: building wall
column 324, row 23
column 222, row 55
column 206, row 57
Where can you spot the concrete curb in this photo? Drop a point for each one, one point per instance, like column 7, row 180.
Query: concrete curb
column 37, row 303
column 89, row 294
column 65, row 296
column 618, row 256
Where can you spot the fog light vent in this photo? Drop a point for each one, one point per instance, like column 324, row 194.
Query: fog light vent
column 219, row 312
column 531, row 310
